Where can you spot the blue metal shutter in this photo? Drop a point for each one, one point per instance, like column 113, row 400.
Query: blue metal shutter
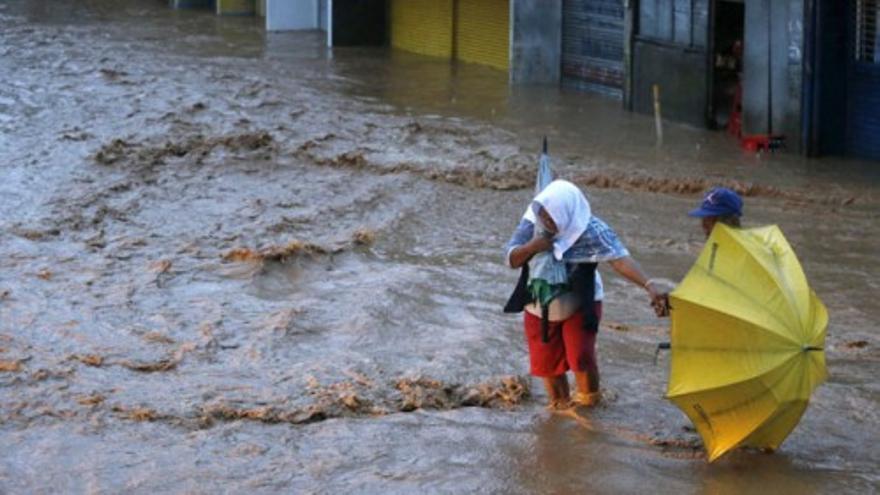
column 592, row 46
column 863, row 129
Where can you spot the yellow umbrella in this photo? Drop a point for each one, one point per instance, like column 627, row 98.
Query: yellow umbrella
column 747, row 340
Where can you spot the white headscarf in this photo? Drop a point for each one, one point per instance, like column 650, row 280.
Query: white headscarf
column 569, row 209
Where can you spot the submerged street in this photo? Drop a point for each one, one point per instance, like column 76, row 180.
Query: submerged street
column 233, row 260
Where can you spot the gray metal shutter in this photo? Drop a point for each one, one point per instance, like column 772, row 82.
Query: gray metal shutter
column 592, row 46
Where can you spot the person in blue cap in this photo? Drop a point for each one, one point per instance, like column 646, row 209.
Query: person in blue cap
column 719, row 205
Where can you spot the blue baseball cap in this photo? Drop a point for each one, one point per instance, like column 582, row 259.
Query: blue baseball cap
column 718, row 202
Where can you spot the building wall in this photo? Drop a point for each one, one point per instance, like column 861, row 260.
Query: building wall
column 284, row 15
column 536, row 41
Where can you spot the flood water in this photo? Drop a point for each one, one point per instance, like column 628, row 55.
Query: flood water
column 236, row 261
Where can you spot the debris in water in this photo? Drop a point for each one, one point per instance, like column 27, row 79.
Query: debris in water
column 857, row 344
column 619, row 327
column 112, row 74
column 160, row 266
column 149, row 155
column 10, row 366
column 4, row 293
column 91, row 400
column 242, row 255
column 364, row 237
column 113, row 152
column 158, row 338
column 275, row 253
column 44, row 274
column 503, row 176
column 136, row 413
column 76, row 135
column 89, row 359
column 150, row 366
column 425, row 393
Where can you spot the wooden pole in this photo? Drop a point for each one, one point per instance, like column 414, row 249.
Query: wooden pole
column 658, row 119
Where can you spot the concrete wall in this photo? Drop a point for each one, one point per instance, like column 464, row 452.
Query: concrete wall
column 536, row 41
column 323, row 14
column 773, row 69
column 286, row 15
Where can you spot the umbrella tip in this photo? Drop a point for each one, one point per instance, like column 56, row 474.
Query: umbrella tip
column 544, row 147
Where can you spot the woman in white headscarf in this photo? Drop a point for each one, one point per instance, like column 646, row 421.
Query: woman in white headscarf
column 562, row 316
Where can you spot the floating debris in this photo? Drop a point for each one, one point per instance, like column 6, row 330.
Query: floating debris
column 161, row 266
column 275, row 253
column 10, row 366
column 136, row 413
column 364, row 237
column 119, row 150
column 90, row 400
column 93, row 360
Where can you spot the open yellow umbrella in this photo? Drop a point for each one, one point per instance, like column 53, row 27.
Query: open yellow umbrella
column 747, row 340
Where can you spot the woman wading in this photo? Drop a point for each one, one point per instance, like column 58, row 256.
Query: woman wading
column 561, row 293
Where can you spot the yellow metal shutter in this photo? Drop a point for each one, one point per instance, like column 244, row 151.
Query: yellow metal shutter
column 236, row 7
column 422, row 26
column 482, row 33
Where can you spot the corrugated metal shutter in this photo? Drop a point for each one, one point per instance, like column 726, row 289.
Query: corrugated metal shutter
column 863, row 131
column 863, row 138
column 592, row 46
column 482, row 32
column 422, row 26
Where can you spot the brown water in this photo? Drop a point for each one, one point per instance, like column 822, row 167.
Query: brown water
column 235, row 261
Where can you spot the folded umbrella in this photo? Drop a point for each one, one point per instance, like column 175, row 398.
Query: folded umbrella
column 549, row 277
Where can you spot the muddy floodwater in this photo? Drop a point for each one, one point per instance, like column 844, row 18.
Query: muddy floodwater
column 233, row 261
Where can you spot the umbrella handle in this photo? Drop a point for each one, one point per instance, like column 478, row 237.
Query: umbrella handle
column 662, row 346
column 544, row 147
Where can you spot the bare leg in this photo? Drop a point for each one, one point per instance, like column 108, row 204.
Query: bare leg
column 587, row 387
column 558, row 391
column 587, row 381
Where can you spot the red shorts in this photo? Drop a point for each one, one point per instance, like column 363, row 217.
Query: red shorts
column 570, row 346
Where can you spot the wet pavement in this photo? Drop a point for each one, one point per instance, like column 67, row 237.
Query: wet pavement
column 232, row 260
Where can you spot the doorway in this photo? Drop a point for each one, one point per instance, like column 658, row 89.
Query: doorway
column 727, row 65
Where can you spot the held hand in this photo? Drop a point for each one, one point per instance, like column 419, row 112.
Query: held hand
column 659, row 301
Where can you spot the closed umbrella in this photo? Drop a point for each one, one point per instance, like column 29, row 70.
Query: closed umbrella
column 747, row 340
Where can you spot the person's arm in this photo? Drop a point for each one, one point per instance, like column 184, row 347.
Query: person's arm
column 524, row 244
column 629, row 269
column 521, row 255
